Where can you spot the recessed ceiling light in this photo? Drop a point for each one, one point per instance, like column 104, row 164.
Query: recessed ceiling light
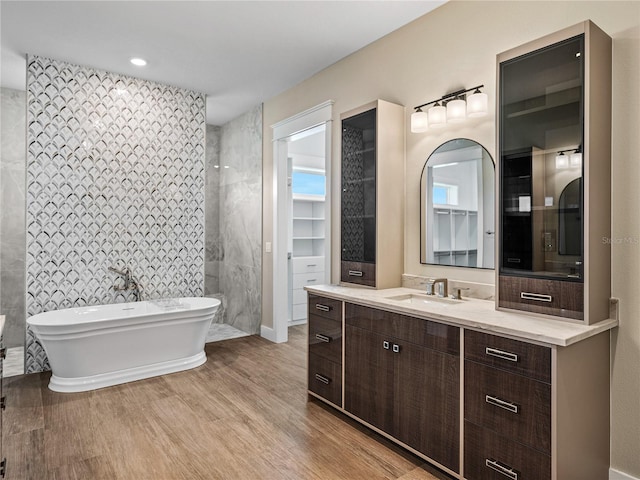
column 138, row 62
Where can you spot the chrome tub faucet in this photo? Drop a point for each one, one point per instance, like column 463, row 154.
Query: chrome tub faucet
column 130, row 282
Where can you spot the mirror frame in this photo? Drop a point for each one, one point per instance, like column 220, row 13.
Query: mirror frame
column 423, row 227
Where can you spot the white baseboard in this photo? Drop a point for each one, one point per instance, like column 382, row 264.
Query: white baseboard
column 268, row 333
column 616, row 475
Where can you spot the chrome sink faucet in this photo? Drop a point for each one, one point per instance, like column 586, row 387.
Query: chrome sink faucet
column 437, row 286
column 130, row 282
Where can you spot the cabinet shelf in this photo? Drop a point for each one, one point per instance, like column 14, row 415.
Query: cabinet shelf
column 313, row 219
column 308, row 238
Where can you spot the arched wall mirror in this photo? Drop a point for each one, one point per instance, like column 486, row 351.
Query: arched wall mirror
column 457, row 206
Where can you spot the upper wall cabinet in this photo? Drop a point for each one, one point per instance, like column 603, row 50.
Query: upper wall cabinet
column 372, row 208
column 554, row 168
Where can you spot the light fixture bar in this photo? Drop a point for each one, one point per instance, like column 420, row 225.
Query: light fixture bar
column 449, row 96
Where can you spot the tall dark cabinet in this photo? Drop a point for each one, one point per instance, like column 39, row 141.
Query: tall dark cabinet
column 372, row 209
column 554, row 137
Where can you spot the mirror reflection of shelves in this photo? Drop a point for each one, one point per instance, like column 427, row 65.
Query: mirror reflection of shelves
column 455, row 236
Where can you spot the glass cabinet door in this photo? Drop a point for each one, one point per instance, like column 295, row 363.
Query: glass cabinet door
column 541, row 140
column 359, row 188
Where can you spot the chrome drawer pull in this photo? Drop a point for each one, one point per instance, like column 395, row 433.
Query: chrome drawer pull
column 311, row 280
column 312, row 265
column 494, row 352
column 385, row 345
column 512, row 407
column 355, row 273
column 323, row 338
column 536, row 296
column 396, row 348
column 323, row 308
column 323, row 379
column 503, row 469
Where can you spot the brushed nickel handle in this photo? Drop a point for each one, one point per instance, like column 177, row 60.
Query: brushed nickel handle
column 512, row 407
column 311, row 280
column 323, row 379
column 494, row 352
column 539, row 297
column 323, row 338
column 311, row 265
column 355, row 273
column 505, row 470
column 322, row 308
column 395, row 348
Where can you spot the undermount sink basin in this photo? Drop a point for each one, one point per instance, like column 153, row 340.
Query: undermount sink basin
column 421, row 299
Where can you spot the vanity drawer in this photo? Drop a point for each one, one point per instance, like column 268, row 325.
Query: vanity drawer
column 358, row 272
column 325, row 378
column 433, row 335
column 506, row 354
column 536, row 295
column 489, row 456
column 325, row 307
column 325, row 338
column 518, row 407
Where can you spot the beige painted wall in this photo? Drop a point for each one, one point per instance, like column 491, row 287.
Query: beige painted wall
column 456, row 46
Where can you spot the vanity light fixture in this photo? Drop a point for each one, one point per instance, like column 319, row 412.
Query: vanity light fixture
column 562, row 161
column 450, row 108
column 573, row 160
column 138, row 62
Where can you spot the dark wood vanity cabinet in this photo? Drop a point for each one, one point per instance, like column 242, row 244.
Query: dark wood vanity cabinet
column 372, row 166
column 554, row 175
column 402, row 376
column 325, row 348
column 507, row 408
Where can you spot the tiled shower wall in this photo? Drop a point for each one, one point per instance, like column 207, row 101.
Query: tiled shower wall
column 115, row 176
column 239, row 248
column 12, row 215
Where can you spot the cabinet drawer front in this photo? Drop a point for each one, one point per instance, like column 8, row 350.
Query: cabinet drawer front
column 299, row 311
column 325, row 338
column 325, row 379
column 301, row 280
column 489, row 456
column 325, row 307
column 511, row 355
column 549, row 297
column 434, row 335
column 300, row 296
column 308, row 264
column 518, row 407
column 358, row 272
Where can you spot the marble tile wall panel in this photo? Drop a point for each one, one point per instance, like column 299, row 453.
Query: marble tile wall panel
column 12, row 215
column 241, row 219
column 213, row 245
column 115, row 176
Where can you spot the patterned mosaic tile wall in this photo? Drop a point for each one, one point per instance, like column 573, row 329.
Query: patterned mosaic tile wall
column 115, row 176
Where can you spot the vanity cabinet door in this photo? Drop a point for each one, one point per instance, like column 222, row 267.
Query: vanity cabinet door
column 403, row 388
column 369, row 378
column 427, row 402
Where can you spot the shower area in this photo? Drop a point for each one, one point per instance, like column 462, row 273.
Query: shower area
column 213, row 249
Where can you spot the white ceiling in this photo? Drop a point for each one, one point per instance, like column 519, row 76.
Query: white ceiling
column 239, row 53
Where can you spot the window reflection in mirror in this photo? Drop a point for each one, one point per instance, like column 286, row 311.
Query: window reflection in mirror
column 457, row 206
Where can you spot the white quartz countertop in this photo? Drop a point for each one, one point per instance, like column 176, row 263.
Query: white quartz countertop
column 470, row 313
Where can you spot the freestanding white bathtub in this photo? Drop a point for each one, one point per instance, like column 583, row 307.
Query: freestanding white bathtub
column 104, row 345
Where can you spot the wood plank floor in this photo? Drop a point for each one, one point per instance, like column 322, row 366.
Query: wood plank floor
column 245, row 414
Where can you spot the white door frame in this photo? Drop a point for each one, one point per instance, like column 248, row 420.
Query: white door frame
column 281, row 132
